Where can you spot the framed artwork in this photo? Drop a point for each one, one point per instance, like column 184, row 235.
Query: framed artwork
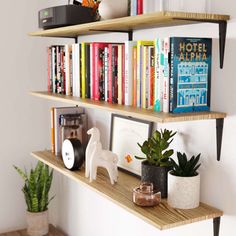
column 126, row 132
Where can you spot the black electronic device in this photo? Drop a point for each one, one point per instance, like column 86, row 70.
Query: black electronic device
column 64, row 15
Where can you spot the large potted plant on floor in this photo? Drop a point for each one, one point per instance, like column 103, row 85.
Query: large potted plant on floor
column 36, row 189
column 184, row 182
column 156, row 164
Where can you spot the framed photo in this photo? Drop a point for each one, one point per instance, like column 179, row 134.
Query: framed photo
column 126, row 133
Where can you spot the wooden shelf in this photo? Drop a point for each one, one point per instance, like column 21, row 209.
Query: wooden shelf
column 158, row 19
column 52, row 232
column 162, row 216
column 140, row 113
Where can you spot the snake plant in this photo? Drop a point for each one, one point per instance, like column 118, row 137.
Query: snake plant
column 36, row 187
column 185, row 167
column 155, row 148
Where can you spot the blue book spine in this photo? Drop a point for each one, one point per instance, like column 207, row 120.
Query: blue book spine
column 190, row 74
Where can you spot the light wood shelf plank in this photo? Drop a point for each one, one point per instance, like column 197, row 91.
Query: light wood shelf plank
column 140, row 113
column 162, row 216
column 158, row 19
column 52, row 232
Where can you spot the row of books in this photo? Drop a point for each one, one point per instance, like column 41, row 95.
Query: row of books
column 169, row 75
column 138, row 7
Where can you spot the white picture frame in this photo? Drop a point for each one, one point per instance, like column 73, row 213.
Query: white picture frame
column 126, row 133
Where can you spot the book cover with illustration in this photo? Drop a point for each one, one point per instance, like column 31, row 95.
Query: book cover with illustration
column 190, row 74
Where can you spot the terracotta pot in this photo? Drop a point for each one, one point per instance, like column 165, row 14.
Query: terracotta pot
column 156, row 175
column 110, row 9
column 37, row 223
column 183, row 192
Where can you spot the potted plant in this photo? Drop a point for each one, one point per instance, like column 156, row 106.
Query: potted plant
column 36, row 188
column 184, row 182
column 156, row 164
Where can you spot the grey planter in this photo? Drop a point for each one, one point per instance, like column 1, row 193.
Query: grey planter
column 156, row 175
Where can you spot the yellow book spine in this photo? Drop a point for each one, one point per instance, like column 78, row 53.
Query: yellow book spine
column 83, row 68
column 52, row 131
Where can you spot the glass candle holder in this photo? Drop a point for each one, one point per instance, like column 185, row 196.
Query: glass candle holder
column 145, row 196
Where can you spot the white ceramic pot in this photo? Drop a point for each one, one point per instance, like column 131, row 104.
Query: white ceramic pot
column 37, row 223
column 110, row 9
column 183, row 192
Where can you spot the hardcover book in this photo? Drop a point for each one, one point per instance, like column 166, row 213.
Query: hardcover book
column 190, row 74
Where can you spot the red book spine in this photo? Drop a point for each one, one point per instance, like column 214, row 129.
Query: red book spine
column 115, row 74
column 152, row 71
column 123, row 74
column 140, row 6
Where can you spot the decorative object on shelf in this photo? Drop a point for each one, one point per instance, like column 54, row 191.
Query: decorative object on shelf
column 144, row 195
column 157, row 163
column 200, row 6
column 110, row 9
column 184, row 182
column 94, row 4
column 125, row 133
column 97, row 157
column 72, row 153
column 36, row 189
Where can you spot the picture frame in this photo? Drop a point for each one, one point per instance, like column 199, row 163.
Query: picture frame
column 125, row 134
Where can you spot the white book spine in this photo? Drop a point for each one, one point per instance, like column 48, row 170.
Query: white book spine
column 53, row 70
column 133, row 7
column 74, row 81
column 119, row 75
column 129, row 72
column 77, row 70
column 166, row 81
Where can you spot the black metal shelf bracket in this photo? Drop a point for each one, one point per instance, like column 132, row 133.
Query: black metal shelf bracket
column 76, row 39
column 219, row 134
column 222, row 38
column 216, row 226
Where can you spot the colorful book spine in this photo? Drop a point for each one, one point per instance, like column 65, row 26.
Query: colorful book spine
column 166, row 83
column 49, row 69
column 83, row 68
column 134, row 76
column 133, row 8
column 53, row 69
column 91, row 72
column 106, row 73
column 67, row 69
column 144, row 76
column 87, row 70
column 115, row 74
column 151, row 74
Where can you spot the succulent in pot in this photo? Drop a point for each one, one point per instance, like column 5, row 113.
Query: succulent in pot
column 36, row 190
column 184, row 182
column 156, row 162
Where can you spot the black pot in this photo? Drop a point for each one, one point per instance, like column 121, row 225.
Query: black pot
column 156, row 175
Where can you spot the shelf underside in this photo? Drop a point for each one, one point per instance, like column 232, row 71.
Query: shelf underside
column 139, row 113
column 158, row 19
column 52, row 232
column 162, row 216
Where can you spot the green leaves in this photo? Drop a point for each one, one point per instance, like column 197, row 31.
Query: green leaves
column 36, row 187
column 155, row 148
column 184, row 167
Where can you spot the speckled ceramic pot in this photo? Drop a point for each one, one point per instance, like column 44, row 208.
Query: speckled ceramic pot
column 156, row 175
column 183, row 192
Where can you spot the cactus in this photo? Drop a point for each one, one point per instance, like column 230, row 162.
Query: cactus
column 36, row 187
column 155, row 148
column 185, row 167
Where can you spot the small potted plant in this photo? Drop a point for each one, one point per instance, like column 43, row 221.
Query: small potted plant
column 184, row 182
column 156, row 164
column 36, row 188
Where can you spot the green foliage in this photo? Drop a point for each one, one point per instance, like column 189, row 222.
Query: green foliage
column 155, row 148
column 185, row 167
column 36, row 187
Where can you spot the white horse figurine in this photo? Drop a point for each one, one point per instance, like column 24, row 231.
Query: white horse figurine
column 97, row 157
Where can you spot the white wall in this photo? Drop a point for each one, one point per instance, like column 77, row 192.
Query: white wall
column 78, row 210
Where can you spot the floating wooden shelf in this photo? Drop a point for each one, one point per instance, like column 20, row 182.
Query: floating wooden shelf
column 140, row 113
column 158, row 19
column 52, row 232
column 162, row 216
